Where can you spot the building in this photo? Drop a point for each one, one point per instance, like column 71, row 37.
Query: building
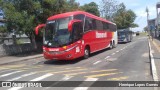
column 152, row 24
column 157, row 21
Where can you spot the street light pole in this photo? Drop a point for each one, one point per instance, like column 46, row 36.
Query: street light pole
column 148, row 20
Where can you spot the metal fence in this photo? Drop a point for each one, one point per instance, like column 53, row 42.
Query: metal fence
column 10, row 40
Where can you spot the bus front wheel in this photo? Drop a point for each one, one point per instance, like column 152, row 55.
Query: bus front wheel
column 86, row 53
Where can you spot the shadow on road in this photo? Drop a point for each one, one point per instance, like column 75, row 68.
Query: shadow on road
column 122, row 42
column 64, row 62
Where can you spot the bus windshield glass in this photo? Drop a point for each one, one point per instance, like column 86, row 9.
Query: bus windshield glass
column 121, row 34
column 56, row 32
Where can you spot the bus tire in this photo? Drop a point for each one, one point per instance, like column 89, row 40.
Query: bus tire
column 111, row 45
column 114, row 45
column 86, row 52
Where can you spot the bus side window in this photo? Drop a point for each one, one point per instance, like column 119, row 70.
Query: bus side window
column 105, row 26
column 94, row 24
column 88, row 24
column 112, row 27
column 77, row 31
column 99, row 25
column 79, row 17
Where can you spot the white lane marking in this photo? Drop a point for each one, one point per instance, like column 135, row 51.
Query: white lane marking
column 154, row 71
column 113, row 53
column 36, row 79
column 117, row 51
column 66, row 78
column 15, row 88
column 42, row 77
column 85, row 88
column 107, row 57
column 121, row 49
column 24, row 75
column 112, row 59
column 4, row 75
column 97, row 62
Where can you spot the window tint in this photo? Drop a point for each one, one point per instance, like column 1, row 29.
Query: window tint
column 99, row 25
column 77, row 31
column 93, row 24
column 88, row 24
column 112, row 27
column 79, row 17
column 105, row 26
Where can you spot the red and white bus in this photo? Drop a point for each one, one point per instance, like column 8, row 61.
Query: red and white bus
column 75, row 34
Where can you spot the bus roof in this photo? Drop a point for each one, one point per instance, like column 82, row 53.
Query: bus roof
column 124, row 30
column 75, row 13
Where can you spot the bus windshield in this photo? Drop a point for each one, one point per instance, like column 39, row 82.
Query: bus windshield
column 121, row 34
column 56, row 33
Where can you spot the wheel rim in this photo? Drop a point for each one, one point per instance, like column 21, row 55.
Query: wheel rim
column 86, row 52
column 110, row 45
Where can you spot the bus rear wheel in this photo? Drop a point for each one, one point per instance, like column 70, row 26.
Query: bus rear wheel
column 111, row 45
column 114, row 45
column 86, row 53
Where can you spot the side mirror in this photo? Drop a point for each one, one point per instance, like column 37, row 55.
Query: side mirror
column 38, row 27
column 71, row 23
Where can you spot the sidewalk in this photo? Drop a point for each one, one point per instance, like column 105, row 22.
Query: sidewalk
column 10, row 59
column 155, row 50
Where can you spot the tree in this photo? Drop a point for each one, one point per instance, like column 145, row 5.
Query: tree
column 91, row 8
column 24, row 15
column 145, row 29
column 108, row 8
column 115, row 12
column 71, row 5
column 124, row 18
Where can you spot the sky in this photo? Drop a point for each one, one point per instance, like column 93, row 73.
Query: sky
column 138, row 6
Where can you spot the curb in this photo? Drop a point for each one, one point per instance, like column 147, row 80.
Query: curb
column 153, row 67
column 23, row 59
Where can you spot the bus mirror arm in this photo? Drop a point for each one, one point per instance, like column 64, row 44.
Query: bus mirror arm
column 71, row 23
column 38, row 27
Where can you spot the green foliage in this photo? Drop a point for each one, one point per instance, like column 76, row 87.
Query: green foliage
column 25, row 15
column 145, row 29
column 124, row 18
column 118, row 13
column 19, row 41
column 3, row 29
column 91, row 8
column 71, row 5
column 108, row 8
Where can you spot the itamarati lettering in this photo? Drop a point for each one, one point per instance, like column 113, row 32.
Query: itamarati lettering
column 101, row 35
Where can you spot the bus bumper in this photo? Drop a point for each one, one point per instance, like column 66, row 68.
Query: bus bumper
column 64, row 55
column 122, row 41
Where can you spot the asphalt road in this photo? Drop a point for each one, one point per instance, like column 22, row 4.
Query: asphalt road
column 126, row 62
